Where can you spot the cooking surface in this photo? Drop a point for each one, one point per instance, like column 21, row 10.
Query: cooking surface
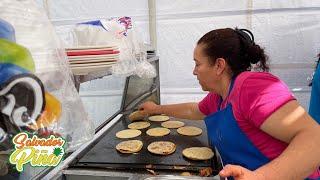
column 104, row 154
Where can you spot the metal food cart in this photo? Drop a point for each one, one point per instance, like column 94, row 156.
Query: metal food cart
column 98, row 159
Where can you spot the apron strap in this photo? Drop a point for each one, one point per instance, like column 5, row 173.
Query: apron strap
column 229, row 90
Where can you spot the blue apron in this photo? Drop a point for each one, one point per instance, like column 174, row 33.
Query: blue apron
column 314, row 109
column 232, row 144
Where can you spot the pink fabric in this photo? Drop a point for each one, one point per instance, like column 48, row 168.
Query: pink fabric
column 254, row 97
column 315, row 175
column 208, row 105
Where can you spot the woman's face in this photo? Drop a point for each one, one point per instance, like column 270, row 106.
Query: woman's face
column 205, row 72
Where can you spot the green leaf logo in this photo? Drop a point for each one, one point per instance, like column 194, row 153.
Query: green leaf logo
column 57, row 151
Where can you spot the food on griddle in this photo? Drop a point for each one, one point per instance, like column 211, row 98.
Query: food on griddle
column 159, row 118
column 172, row 124
column 162, row 147
column 152, row 172
column 130, row 146
column 139, row 125
column 137, row 115
column 159, row 131
column 205, row 172
column 198, row 153
column 189, row 131
column 186, row 174
column 128, row 133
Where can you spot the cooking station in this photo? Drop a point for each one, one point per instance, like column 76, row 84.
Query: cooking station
column 104, row 154
column 98, row 159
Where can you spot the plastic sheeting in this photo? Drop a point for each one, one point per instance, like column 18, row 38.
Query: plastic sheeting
column 287, row 29
column 63, row 112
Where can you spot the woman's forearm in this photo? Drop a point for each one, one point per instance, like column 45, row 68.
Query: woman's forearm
column 183, row 110
column 300, row 159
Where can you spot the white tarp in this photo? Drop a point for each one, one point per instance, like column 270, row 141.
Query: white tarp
column 289, row 31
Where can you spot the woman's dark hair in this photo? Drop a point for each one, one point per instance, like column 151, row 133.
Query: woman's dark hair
column 237, row 47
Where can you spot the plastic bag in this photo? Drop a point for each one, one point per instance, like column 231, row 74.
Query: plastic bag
column 116, row 32
column 144, row 69
column 37, row 93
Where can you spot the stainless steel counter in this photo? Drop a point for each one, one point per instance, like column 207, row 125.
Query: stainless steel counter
column 97, row 174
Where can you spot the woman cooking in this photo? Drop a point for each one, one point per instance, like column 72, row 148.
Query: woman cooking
column 252, row 118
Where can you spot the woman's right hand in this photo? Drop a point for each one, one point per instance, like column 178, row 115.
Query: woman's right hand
column 150, row 108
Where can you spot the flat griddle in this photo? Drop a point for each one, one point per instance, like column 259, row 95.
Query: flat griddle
column 104, row 155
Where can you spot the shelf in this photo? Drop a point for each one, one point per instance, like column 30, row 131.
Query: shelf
column 100, row 73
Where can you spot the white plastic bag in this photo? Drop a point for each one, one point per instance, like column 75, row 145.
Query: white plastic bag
column 116, row 32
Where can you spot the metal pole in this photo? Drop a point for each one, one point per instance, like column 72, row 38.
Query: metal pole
column 152, row 23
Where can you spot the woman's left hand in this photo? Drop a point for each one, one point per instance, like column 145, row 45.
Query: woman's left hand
column 239, row 173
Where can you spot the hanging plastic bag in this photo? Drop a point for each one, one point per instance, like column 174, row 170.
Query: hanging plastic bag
column 116, row 32
column 37, row 93
column 143, row 68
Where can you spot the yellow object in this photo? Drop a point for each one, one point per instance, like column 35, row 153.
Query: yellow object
column 189, row 131
column 159, row 118
column 128, row 133
column 139, row 125
column 198, row 153
column 51, row 113
column 131, row 146
column 158, row 131
column 137, row 115
column 172, row 124
column 162, row 147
